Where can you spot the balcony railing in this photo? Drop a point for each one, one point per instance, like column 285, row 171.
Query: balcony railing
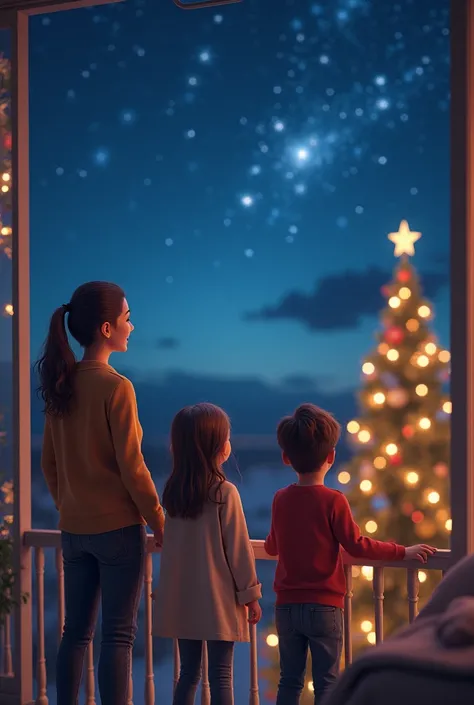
column 42, row 541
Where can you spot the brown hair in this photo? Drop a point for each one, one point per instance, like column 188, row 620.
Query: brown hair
column 307, row 437
column 198, row 434
column 91, row 305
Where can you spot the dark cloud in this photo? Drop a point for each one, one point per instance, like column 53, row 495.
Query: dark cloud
column 340, row 301
column 167, row 343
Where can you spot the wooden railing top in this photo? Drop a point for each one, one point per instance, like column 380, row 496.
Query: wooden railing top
column 46, row 538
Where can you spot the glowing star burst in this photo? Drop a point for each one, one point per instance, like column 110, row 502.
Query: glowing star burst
column 404, row 240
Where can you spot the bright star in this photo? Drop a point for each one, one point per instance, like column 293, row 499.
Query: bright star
column 404, row 240
column 302, row 155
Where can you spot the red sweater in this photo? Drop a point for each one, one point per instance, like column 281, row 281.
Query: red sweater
column 309, row 527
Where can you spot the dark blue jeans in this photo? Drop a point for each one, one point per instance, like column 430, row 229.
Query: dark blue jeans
column 301, row 625
column 110, row 565
column 220, row 657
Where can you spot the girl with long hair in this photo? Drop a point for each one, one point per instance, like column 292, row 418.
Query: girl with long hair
column 208, row 589
column 96, row 474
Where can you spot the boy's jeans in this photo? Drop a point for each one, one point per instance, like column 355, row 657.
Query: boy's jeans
column 301, row 625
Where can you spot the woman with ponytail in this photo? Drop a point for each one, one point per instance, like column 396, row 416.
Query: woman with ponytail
column 95, row 471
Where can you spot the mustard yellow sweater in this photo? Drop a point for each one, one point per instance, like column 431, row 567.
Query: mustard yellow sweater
column 92, row 459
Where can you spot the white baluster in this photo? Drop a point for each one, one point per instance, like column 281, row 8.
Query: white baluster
column 348, row 616
column 90, row 678
column 149, row 675
column 378, row 585
column 254, row 696
column 205, row 689
column 42, row 697
column 60, row 582
column 413, row 588
column 130, row 684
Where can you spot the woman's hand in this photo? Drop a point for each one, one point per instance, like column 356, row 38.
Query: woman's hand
column 254, row 612
column 158, row 538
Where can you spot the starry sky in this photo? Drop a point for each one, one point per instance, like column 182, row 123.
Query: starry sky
column 237, row 172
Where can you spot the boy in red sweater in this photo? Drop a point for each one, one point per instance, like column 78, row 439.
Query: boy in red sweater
column 310, row 524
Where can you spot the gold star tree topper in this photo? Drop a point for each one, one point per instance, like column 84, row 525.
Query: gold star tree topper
column 404, row 240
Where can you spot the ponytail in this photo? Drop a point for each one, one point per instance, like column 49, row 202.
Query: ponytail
column 56, row 367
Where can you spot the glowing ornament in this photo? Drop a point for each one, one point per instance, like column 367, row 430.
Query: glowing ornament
column 404, row 276
column 433, row 497
column 394, row 335
column 353, row 426
column 449, row 525
column 378, row 398
column 421, row 390
column 392, row 355
column 343, row 478
column 364, row 436
column 371, row 526
column 380, row 462
column 372, row 638
column 422, row 361
column 8, row 309
column 382, row 348
column 417, row 516
column 430, row 348
column 404, row 293
column 391, row 449
column 424, row 423
column 412, row 478
column 408, row 431
column 422, row 576
column 368, row 368
column 394, row 302
column 404, row 240
column 272, row 640
column 441, row 470
column 424, row 311
column 447, row 407
column 396, row 459
column 397, row 398
column 412, row 325
column 367, row 571
column 407, row 508
column 366, row 626
column 444, row 356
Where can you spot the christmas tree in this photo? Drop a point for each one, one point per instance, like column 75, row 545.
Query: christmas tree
column 397, row 481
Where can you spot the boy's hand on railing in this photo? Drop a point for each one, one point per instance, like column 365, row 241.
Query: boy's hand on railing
column 254, row 612
column 421, row 552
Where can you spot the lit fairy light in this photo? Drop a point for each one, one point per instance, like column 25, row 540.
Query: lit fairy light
column 278, row 126
column 247, row 201
column 300, row 189
column 255, row 170
column 324, row 59
column 380, row 80
column 218, row 19
column 249, row 253
column 192, row 81
column 382, row 104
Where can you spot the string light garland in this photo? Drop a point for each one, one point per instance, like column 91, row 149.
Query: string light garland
column 5, row 168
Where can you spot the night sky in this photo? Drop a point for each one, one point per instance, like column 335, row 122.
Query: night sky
column 237, row 171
